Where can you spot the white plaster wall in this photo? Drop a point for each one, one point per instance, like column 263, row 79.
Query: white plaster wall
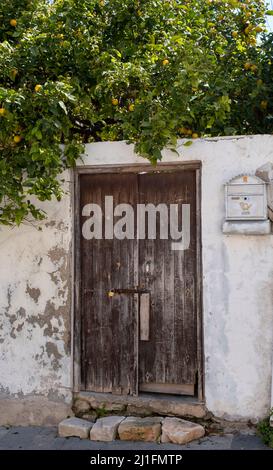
column 237, row 276
column 35, row 289
column 35, row 306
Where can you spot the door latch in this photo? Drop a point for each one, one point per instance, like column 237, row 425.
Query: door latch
column 135, row 290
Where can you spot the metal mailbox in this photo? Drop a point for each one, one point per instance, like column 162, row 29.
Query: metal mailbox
column 246, row 198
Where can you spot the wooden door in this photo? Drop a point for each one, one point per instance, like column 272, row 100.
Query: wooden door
column 121, row 277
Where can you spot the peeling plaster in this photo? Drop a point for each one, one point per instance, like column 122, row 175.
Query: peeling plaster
column 53, row 353
column 34, row 293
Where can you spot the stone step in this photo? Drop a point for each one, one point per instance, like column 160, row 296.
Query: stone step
column 105, row 429
column 75, row 427
column 180, row 431
column 143, row 405
column 149, row 429
column 140, row 429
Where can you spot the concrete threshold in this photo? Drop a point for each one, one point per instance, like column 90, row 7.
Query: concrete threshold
column 142, row 405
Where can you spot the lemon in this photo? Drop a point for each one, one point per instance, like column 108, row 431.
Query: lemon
column 248, row 29
column 263, row 104
column 195, row 135
column 247, row 66
column 2, row 111
column 234, row 34
column 13, row 23
column 17, row 139
column 131, row 107
column 114, row 101
column 183, row 130
column 165, row 62
column 38, row 88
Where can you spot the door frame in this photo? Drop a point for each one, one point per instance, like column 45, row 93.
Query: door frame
column 76, row 253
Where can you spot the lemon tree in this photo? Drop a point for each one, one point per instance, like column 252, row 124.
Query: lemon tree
column 144, row 71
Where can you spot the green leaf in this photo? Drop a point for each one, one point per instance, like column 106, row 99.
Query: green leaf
column 188, row 143
column 62, row 105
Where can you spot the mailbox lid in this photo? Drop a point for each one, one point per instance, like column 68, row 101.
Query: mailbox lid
column 251, row 189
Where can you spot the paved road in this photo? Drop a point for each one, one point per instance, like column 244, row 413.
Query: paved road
column 39, row 438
